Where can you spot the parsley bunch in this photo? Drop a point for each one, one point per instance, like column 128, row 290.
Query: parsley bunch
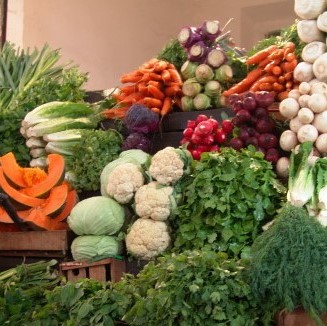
column 231, row 195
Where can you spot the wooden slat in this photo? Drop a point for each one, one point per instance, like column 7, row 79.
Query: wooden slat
column 34, row 240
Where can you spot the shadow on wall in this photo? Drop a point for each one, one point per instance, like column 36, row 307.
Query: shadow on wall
column 262, row 20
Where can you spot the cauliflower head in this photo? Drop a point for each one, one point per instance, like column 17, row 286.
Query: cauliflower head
column 124, row 181
column 154, row 200
column 147, row 238
column 169, row 164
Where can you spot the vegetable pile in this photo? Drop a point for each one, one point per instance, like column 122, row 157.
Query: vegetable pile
column 39, row 197
column 209, row 65
column 156, row 84
column 31, row 78
column 272, row 70
column 230, row 196
column 205, row 134
column 253, row 124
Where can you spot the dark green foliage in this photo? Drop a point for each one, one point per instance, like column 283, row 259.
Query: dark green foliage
column 191, row 288
column 231, row 195
column 174, row 53
column 93, row 152
column 288, row 266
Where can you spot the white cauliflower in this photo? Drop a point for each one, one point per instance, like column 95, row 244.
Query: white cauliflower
column 155, row 201
column 169, row 164
column 147, row 238
column 123, row 181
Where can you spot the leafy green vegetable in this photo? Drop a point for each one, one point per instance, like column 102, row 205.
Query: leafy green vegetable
column 230, row 196
column 93, row 152
column 173, row 52
column 190, row 288
column 288, row 265
column 31, row 78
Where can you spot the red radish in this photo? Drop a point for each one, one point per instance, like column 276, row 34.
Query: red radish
column 214, row 123
column 188, row 132
column 227, row 126
column 196, row 154
column 236, row 143
column 200, row 118
column 191, row 124
column 208, row 140
column 214, row 148
column 220, row 136
column 204, row 128
column 184, row 141
column 203, row 148
column 196, row 139
column 267, row 141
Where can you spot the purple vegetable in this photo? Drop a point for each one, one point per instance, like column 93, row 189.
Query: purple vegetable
column 188, row 36
column 140, row 118
column 137, row 140
column 198, row 52
column 216, row 57
column 264, row 98
column 210, row 29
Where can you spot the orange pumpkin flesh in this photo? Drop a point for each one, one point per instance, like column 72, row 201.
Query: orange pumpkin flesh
column 56, row 171
column 71, row 201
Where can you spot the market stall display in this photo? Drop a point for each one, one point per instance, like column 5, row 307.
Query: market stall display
column 230, row 223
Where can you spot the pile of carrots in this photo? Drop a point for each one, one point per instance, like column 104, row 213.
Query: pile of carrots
column 157, row 84
column 273, row 72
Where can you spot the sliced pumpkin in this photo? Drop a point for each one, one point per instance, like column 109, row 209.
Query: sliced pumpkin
column 37, row 219
column 5, row 218
column 18, row 176
column 55, row 203
column 56, row 172
column 71, row 201
column 16, row 196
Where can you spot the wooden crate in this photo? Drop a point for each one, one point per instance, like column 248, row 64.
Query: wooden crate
column 298, row 317
column 105, row 270
column 35, row 243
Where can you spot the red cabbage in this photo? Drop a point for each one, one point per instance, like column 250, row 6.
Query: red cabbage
column 140, row 118
column 137, row 140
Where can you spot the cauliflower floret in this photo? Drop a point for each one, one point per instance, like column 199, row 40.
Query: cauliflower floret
column 166, row 166
column 147, row 238
column 154, row 200
column 124, row 181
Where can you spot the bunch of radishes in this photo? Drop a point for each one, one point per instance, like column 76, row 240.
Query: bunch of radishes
column 253, row 125
column 205, row 134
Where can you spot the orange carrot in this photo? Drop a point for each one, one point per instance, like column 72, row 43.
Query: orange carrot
column 155, row 110
column 282, row 95
column 119, row 96
column 267, row 79
column 265, row 87
column 131, row 77
column 165, row 76
column 171, row 66
column 289, row 47
column 160, row 66
column 155, row 83
column 272, row 64
column 255, row 86
column 175, row 76
column 278, row 87
column 143, row 89
column 277, row 54
column 115, row 113
column 260, row 55
column 290, row 57
column 172, row 90
column 132, row 98
column 277, row 70
column 289, row 85
column 281, row 79
column 155, row 92
column 128, row 89
column 151, row 102
column 263, row 63
column 166, row 106
column 155, row 76
column 246, row 83
column 289, row 66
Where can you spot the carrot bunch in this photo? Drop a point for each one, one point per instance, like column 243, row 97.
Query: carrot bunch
column 273, row 72
column 155, row 84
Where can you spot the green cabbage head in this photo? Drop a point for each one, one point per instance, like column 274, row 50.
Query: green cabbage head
column 94, row 247
column 96, row 216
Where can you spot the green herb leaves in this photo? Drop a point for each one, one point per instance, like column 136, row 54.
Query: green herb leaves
column 231, row 196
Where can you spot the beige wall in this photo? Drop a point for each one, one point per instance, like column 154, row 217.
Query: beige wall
column 109, row 37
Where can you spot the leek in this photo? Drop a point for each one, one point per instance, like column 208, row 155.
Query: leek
column 301, row 181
